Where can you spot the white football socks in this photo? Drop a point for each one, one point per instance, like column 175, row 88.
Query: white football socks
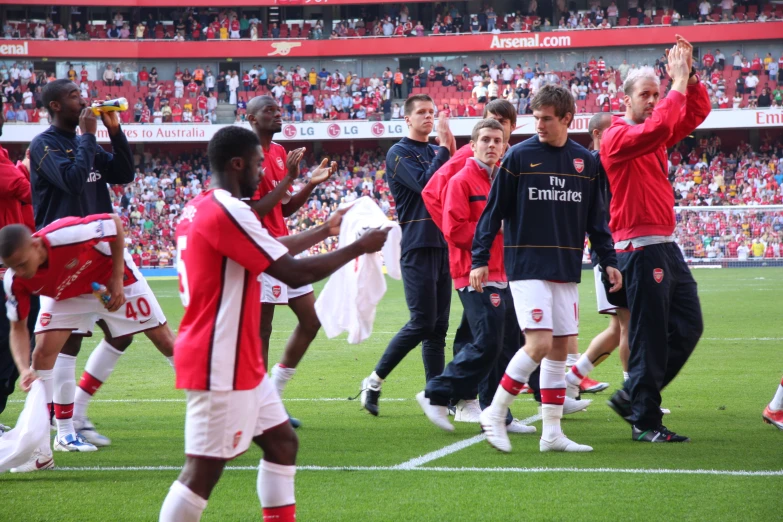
column 553, row 384
column 181, row 505
column 518, row 370
column 275, row 484
column 100, row 366
column 579, row 370
column 64, row 393
column 375, row 380
column 280, row 377
column 625, row 376
column 777, row 401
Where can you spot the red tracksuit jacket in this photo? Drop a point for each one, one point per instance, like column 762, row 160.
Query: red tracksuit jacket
column 435, row 191
column 16, row 200
column 635, row 160
column 465, row 199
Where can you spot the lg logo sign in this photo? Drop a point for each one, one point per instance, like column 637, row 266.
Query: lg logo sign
column 333, row 130
column 289, row 131
column 378, row 129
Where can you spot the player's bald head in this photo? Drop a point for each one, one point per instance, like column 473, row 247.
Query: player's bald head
column 12, row 238
column 264, row 116
column 599, row 122
column 259, row 102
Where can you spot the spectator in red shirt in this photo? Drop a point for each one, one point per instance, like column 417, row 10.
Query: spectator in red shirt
column 193, row 89
column 144, row 77
column 708, row 59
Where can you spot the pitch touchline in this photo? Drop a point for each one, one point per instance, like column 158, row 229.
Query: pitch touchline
column 452, row 448
column 642, row 471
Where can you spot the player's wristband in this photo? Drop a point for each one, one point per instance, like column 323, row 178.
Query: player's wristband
column 693, row 72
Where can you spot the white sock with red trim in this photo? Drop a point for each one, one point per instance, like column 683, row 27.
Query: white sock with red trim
column 579, row 370
column 64, row 392
column 47, row 378
column 280, row 377
column 517, row 374
column 99, row 367
column 553, row 393
column 181, row 505
column 275, row 488
column 777, row 401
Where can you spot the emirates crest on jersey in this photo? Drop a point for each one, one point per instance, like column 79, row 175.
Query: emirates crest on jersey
column 280, row 162
column 579, row 165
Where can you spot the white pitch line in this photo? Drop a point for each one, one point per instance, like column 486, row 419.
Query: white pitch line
column 452, row 448
column 633, row 471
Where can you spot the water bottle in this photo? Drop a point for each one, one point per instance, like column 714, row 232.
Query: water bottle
column 116, row 105
column 101, row 292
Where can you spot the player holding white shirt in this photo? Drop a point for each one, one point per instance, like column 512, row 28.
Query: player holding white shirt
column 273, row 201
column 217, row 355
column 60, row 263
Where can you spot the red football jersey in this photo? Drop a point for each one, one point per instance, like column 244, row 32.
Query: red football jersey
column 274, row 172
column 218, row 347
column 78, row 256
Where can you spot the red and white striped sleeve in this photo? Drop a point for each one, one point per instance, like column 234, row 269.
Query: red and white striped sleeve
column 73, row 231
column 17, row 298
column 243, row 239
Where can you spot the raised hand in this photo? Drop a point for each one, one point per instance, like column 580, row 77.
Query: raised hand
column 111, row 119
column 88, row 123
column 323, row 172
column 687, row 48
column 292, row 161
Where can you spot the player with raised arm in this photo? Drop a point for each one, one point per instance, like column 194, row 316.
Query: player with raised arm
column 546, row 198
column 61, row 262
column 218, row 357
column 273, row 202
column 70, row 175
column 665, row 314
column 410, row 164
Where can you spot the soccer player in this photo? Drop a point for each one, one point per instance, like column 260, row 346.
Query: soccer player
column 616, row 333
column 468, row 408
column 665, row 314
column 773, row 413
column 273, row 202
column 490, row 312
column 546, row 198
column 70, row 176
column 60, row 263
column 424, row 262
column 218, row 356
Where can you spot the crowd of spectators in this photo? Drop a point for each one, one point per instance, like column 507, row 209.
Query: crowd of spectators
column 733, row 82
column 194, row 24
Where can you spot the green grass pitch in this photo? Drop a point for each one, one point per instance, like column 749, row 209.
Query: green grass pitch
column 717, row 400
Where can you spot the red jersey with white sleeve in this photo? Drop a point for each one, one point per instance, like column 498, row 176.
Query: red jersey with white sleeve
column 274, row 172
column 221, row 250
column 79, row 255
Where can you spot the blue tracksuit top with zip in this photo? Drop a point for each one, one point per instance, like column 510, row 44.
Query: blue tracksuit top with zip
column 70, row 174
column 606, row 194
column 548, row 198
column 409, row 166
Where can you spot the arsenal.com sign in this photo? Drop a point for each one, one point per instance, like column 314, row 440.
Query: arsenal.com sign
column 19, row 49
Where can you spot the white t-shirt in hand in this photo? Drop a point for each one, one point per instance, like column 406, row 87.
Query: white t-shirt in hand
column 350, row 297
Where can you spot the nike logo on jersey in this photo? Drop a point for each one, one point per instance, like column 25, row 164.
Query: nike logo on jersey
column 146, row 320
column 534, row 165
